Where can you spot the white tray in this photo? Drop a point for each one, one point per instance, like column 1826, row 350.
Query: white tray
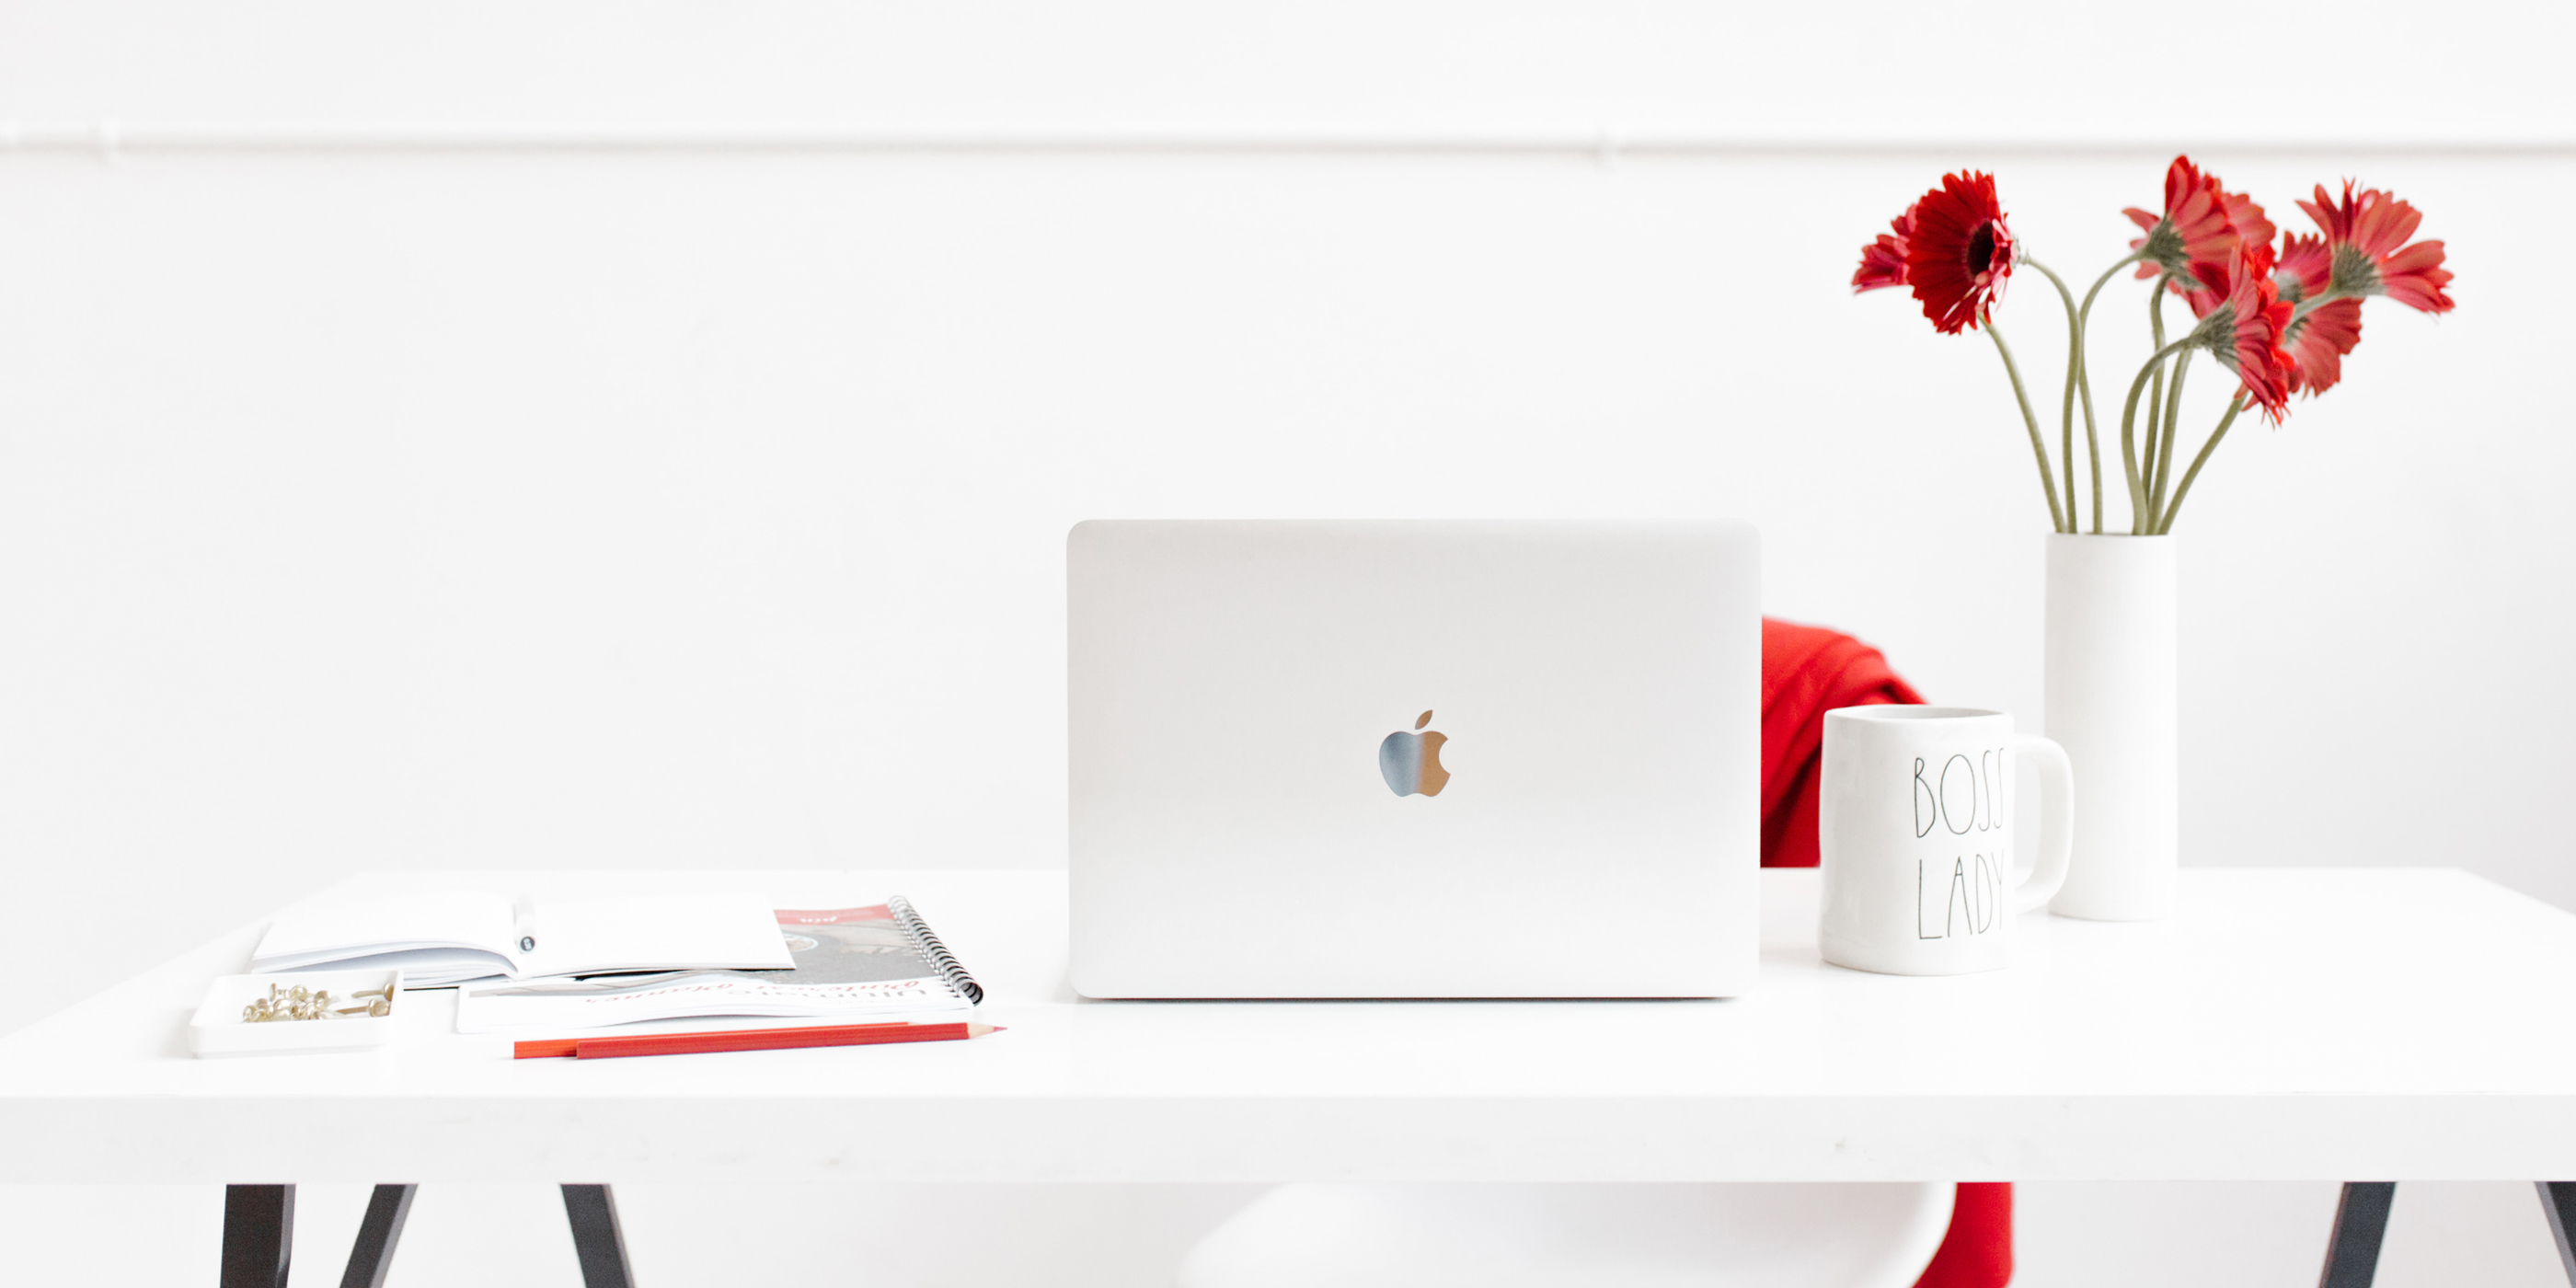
column 217, row 1029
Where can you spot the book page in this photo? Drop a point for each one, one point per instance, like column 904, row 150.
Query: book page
column 476, row 919
column 698, row 930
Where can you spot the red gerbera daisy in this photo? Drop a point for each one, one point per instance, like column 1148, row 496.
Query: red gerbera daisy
column 2202, row 224
column 2367, row 234
column 2243, row 328
column 2306, row 267
column 2257, row 259
column 1882, row 262
column 2317, row 341
column 2251, row 223
column 1958, row 254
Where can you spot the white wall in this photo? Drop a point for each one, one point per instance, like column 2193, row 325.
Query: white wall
column 368, row 511
column 694, row 496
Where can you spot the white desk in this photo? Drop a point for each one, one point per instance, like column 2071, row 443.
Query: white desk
column 2316, row 1024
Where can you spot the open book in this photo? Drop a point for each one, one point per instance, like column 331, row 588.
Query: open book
column 850, row 962
column 449, row 936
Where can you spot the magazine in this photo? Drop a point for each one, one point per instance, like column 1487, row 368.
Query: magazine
column 849, row 962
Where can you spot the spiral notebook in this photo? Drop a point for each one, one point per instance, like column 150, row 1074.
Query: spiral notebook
column 881, row 959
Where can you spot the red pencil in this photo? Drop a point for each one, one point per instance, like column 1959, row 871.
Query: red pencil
column 749, row 1040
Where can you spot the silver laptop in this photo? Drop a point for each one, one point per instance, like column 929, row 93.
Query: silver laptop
column 1414, row 759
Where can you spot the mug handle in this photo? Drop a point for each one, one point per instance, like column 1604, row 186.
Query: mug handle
column 2056, row 823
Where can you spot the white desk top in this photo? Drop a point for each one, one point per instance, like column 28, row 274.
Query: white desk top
column 2292, row 1024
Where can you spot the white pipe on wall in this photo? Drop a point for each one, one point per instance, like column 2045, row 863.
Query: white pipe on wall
column 111, row 136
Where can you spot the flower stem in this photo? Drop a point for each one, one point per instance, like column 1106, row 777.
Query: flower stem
column 2138, row 515
column 2084, row 377
column 2074, row 381
column 2128, row 432
column 2038, row 445
column 2234, row 405
column 2165, row 452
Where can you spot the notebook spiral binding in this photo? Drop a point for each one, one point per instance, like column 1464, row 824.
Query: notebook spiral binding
column 917, row 930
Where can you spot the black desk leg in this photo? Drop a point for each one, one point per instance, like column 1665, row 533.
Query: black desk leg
column 372, row 1254
column 2361, row 1220
column 596, row 1238
column 2558, row 1198
column 259, row 1235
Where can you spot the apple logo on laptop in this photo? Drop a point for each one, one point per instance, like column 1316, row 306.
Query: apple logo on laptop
column 1411, row 761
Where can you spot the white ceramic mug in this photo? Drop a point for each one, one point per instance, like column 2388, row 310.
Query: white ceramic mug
column 1916, row 833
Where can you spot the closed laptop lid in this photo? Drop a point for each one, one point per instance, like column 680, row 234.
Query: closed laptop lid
column 1414, row 759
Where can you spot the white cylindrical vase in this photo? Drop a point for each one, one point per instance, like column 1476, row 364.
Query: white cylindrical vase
column 2110, row 701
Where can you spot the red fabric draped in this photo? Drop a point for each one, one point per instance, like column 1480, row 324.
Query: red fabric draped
column 1806, row 672
column 1977, row 1252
